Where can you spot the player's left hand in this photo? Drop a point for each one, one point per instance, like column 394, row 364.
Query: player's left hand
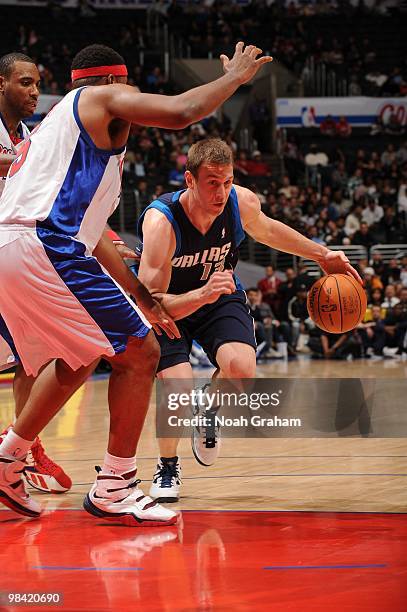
column 126, row 252
column 336, row 262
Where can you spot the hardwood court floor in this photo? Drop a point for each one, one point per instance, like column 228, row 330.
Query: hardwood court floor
column 277, row 524
column 335, row 474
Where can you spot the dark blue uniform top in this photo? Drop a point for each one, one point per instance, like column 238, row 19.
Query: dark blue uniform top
column 198, row 255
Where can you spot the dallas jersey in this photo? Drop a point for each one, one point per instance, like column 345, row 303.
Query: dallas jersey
column 197, row 256
column 61, row 181
column 56, row 299
column 8, row 145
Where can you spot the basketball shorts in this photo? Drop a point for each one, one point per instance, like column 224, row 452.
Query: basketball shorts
column 8, row 352
column 57, row 302
column 227, row 320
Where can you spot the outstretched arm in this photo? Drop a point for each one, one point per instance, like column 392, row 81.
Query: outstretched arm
column 176, row 112
column 155, row 270
column 107, row 255
column 283, row 238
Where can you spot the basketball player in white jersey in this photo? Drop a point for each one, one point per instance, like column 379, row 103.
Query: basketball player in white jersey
column 57, row 301
column 19, row 83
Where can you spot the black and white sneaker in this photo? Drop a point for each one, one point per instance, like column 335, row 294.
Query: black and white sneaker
column 167, row 480
column 206, row 439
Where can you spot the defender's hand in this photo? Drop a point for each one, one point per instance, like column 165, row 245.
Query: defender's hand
column 126, row 252
column 155, row 314
column 244, row 63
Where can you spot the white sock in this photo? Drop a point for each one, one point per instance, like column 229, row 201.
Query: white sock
column 14, row 446
column 118, row 465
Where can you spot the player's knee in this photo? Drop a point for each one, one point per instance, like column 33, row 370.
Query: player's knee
column 140, row 354
column 240, row 368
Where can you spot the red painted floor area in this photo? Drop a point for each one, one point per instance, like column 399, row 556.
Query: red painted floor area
column 219, row 561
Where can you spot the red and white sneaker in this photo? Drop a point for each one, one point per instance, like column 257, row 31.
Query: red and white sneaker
column 41, row 472
column 118, row 499
column 44, row 474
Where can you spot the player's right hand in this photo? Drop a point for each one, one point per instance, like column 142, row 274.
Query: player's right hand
column 220, row 283
column 245, row 62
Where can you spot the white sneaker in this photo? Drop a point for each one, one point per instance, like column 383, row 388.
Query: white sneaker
column 118, row 499
column 390, row 351
column 206, row 440
column 167, row 480
column 12, row 489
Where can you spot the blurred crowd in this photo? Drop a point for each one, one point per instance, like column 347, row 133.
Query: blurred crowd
column 303, row 35
column 336, row 200
column 284, row 328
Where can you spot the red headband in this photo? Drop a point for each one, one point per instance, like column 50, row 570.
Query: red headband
column 83, row 73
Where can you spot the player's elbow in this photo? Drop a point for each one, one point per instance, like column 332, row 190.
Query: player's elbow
column 184, row 113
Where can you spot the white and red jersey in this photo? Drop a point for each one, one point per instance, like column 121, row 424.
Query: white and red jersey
column 9, row 145
column 61, row 182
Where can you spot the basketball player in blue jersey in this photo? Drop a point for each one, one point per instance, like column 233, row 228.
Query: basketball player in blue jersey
column 19, row 91
column 62, row 310
column 198, row 231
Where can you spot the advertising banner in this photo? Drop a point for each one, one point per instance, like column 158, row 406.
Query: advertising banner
column 359, row 111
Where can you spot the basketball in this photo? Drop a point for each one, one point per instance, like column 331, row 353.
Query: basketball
column 336, row 303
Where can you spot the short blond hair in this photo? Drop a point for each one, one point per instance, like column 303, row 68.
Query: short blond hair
column 210, row 150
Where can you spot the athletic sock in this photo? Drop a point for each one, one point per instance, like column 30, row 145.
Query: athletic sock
column 14, row 446
column 118, row 465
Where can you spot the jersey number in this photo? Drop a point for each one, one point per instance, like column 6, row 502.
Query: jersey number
column 218, row 267
column 20, row 159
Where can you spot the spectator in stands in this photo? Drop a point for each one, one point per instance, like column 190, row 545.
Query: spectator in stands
column 352, row 223
column 265, row 324
column 298, row 315
column 315, row 157
column 328, row 126
column 286, row 187
column 388, row 226
column 339, row 178
column 242, row 163
column 373, row 213
column 257, row 167
column 373, row 333
column 285, row 292
column 388, row 156
column 392, row 272
column 363, row 236
column 315, row 235
column 402, row 199
column 390, row 298
column 269, row 287
column 314, row 161
column 396, row 326
column 334, row 346
column 371, row 282
column 176, row 176
column 343, row 128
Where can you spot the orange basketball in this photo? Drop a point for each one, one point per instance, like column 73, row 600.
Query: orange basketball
column 336, row 303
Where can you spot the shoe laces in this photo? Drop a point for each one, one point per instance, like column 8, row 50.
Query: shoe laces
column 138, row 494
column 167, row 471
column 210, row 431
column 41, row 458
